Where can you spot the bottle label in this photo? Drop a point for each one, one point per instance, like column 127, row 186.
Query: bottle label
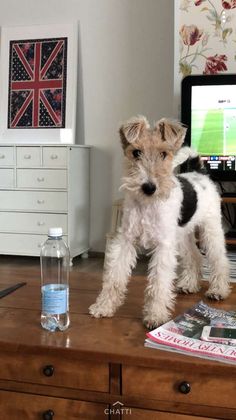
column 55, row 298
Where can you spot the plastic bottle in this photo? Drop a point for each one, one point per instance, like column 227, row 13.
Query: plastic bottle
column 55, row 262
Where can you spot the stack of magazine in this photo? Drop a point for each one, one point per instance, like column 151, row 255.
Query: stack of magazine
column 185, row 334
column 232, row 264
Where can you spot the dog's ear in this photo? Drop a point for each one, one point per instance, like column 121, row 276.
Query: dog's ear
column 132, row 130
column 171, row 132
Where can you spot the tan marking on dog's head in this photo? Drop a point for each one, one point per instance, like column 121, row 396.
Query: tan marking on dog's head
column 132, row 130
column 149, row 154
column 173, row 132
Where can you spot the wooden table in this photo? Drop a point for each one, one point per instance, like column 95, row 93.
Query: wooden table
column 99, row 368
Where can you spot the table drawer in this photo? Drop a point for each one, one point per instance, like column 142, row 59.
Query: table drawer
column 31, row 222
column 33, row 200
column 55, row 371
column 6, row 178
column 164, row 384
column 55, row 156
column 21, row 406
column 21, row 244
column 6, row 156
column 41, row 178
column 140, row 414
column 28, row 156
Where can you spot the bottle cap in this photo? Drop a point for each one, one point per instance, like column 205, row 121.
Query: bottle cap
column 55, row 231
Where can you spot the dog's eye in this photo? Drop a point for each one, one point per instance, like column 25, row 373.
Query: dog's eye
column 163, row 155
column 136, row 153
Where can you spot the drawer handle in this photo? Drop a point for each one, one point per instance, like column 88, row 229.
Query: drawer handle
column 48, row 370
column 184, row 387
column 27, row 156
column 2, row 156
column 40, row 244
column 54, row 156
column 40, row 179
column 40, row 201
column 41, row 223
column 48, row 415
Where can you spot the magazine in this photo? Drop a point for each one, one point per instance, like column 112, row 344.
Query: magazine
column 183, row 334
column 231, row 255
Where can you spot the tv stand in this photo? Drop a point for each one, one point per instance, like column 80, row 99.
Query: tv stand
column 230, row 236
column 228, row 194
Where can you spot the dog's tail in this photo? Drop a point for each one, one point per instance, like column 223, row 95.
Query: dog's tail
column 188, row 160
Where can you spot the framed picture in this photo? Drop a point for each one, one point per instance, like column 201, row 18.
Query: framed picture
column 38, row 83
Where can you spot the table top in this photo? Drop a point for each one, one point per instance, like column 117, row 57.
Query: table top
column 114, row 340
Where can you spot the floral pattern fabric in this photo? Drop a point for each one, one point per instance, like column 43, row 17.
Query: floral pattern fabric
column 207, row 34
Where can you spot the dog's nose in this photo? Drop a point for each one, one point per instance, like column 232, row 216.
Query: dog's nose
column 149, row 188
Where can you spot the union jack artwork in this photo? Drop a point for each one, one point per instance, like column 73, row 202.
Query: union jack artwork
column 37, row 83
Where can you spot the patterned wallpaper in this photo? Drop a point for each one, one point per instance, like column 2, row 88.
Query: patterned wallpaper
column 207, row 35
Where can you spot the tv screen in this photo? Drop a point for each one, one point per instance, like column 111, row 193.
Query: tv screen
column 208, row 108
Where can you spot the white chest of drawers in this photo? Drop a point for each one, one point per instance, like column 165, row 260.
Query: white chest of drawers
column 40, row 187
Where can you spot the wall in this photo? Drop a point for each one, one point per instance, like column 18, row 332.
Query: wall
column 205, row 43
column 205, row 38
column 126, row 54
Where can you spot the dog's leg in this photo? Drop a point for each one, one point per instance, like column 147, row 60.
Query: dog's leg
column 190, row 265
column 120, row 259
column 159, row 294
column 214, row 241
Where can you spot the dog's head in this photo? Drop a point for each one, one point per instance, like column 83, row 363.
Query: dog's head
column 149, row 154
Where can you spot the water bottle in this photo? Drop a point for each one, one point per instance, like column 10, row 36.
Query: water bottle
column 55, row 263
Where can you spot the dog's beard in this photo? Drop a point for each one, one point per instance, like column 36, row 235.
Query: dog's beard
column 129, row 185
column 133, row 178
column 133, row 186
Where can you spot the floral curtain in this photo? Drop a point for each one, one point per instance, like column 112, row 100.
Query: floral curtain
column 207, row 34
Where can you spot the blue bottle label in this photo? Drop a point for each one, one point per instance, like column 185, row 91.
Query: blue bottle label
column 55, row 298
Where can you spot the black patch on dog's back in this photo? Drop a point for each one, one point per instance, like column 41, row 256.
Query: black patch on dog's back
column 193, row 164
column 189, row 203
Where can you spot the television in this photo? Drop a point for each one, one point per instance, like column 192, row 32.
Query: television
column 208, row 108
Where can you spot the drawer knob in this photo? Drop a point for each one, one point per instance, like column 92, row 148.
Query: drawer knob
column 27, row 157
column 184, row 387
column 40, row 179
column 41, row 223
column 40, row 201
column 2, row 156
column 48, row 370
column 48, row 415
column 54, row 156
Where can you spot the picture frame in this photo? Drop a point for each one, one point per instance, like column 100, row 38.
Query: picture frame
column 38, row 83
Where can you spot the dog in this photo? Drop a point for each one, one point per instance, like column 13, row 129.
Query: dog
column 161, row 212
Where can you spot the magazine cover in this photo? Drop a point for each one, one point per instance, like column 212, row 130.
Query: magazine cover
column 183, row 334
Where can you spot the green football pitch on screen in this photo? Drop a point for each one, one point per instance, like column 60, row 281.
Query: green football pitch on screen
column 214, row 131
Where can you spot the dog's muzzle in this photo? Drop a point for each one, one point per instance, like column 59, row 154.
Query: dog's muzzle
column 149, row 188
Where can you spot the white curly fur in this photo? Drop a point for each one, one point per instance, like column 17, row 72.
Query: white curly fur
column 151, row 221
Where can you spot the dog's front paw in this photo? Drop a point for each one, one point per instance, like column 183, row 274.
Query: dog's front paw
column 152, row 322
column 187, row 289
column 213, row 296
column 215, row 293
column 187, row 286
column 99, row 311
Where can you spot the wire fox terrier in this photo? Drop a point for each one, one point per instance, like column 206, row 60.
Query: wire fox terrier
column 161, row 213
